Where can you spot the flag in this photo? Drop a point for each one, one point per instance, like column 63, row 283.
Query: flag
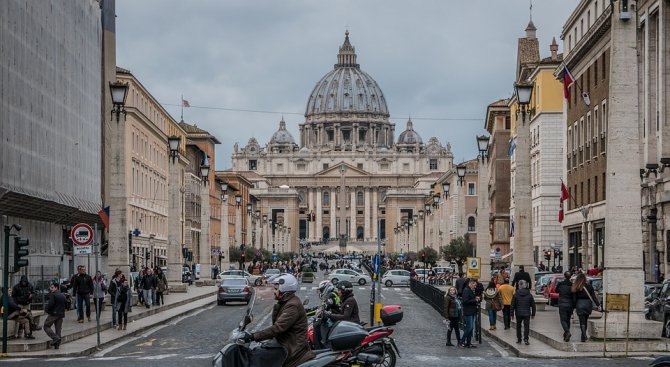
column 104, row 216
column 565, row 195
column 512, row 146
column 568, row 80
column 184, row 103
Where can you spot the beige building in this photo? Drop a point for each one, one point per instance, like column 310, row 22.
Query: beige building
column 347, row 178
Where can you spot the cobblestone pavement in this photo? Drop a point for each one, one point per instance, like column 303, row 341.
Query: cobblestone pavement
column 194, row 340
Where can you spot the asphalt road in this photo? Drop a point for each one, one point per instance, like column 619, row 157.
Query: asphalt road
column 194, row 340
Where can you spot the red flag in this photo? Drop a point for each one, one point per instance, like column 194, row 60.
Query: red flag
column 184, row 103
column 568, row 80
column 565, row 195
column 104, row 216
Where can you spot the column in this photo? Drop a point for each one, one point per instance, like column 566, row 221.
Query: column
column 375, row 212
column 310, row 209
column 333, row 212
column 366, row 211
column 238, row 225
column 225, row 236
column 205, row 250
column 352, row 215
column 319, row 214
column 248, row 228
column 523, row 231
column 483, row 212
column 175, row 260
column 118, row 255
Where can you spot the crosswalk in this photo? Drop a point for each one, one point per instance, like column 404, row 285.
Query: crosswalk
column 384, row 289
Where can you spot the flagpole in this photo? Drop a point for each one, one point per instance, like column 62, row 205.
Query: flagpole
column 182, row 108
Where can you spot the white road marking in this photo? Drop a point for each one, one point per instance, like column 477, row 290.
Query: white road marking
column 471, row 358
column 17, row 359
column 160, row 356
column 105, row 359
column 303, row 288
column 425, row 358
column 63, row 359
column 200, row 356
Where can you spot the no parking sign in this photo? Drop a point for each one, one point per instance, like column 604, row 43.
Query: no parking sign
column 82, row 237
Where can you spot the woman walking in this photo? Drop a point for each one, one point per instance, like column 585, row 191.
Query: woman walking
column 493, row 303
column 124, row 300
column 586, row 297
column 161, row 286
column 452, row 312
column 99, row 290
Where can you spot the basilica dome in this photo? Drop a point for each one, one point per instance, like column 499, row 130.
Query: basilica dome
column 409, row 136
column 347, row 88
column 282, row 136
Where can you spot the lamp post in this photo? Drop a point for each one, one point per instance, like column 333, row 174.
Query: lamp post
column 257, row 229
column 264, row 238
column 523, row 236
column 247, row 227
column 118, row 254
column 483, row 208
column 460, row 172
column 205, row 249
column 238, row 220
column 445, row 188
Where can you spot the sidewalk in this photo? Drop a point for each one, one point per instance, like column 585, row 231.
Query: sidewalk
column 546, row 339
column 81, row 339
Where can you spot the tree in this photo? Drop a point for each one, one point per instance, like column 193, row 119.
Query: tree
column 287, row 256
column 431, row 255
column 458, row 250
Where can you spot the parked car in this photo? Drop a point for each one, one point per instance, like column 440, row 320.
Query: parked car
column 550, row 290
column 542, row 284
column 234, row 289
column 253, row 279
column 442, row 269
column 539, row 276
column 396, row 277
column 420, row 272
column 350, row 275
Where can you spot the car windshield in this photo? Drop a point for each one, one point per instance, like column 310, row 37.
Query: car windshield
column 229, row 282
column 272, row 271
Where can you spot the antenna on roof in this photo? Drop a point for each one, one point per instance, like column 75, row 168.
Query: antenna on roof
column 531, row 10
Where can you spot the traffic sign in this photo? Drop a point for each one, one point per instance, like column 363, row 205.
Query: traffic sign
column 82, row 237
column 473, row 268
column 375, row 261
column 498, row 253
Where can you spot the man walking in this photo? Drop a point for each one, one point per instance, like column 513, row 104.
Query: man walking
column 566, row 304
column 521, row 275
column 148, row 287
column 523, row 306
column 506, row 293
column 470, row 302
column 56, row 311
column 83, row 288
column 113, row 290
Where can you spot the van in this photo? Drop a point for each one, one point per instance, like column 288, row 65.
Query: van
column 442, row 269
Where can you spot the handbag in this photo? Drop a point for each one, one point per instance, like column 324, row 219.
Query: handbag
column 594, row 306
column 497, row 305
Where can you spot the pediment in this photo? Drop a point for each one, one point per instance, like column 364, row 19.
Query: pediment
column 349, row 171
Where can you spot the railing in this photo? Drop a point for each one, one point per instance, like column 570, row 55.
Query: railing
column 430, row 294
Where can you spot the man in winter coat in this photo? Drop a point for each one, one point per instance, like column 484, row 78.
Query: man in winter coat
column 506, row 293
column 113, row 289
column 566, row 304
column 523, row 306
column 520, row 275
column 83, row 288
column 148, row 285
column 22, row 293
column 470, row 309
column 56, row 311
column 20, row 315
column 289, row 322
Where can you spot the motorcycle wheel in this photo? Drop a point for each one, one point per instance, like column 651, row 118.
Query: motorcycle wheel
column 389, row 358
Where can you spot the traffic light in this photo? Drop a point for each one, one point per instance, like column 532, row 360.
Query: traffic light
column 547, row 255
column 313, row 216
column 309, row 217
column 560, row 254
column 556, row 253
column 423, row 256
column 20, row 252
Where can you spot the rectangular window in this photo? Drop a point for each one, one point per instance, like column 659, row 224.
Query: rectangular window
column 508, row 122
column 595, row 73
column 581, row 193
column 588, row 136
column 301, row 166
column 280, row 167
column 604, row 186
column 588, row 191
column 595, row 189
column 405, row 167
column 433, row 164
column 603, row 130
column 604, row 66
column 252, row 165
column 471, row 189
column 384, row 166
column 325, row 166
column 588, row 80
column 359, row 165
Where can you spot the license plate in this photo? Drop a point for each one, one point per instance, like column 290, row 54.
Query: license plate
column 234, row 290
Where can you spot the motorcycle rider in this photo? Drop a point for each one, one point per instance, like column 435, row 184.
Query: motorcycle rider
column 348, row 307
column 330, row 302
column 289, row 322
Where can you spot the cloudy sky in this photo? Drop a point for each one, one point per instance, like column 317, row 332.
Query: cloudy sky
column 440, row 62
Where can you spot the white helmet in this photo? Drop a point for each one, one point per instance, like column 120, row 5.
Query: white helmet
column 322, row 285
column 287, row 283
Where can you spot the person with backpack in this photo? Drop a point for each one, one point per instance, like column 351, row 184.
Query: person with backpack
column 452, row 313
column 124, row 300
column 113, row 288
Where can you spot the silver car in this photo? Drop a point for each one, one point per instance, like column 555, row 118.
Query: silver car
column 253, row 279
column 350, row 275
column 234, row 289
column 396, row 277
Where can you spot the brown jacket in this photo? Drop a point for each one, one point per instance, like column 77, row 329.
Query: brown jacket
column 289, row 327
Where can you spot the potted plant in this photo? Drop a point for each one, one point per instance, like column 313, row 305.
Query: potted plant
column 307, row 274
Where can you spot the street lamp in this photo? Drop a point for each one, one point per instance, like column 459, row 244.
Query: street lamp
column 445, row 189
column 224, row 191
column 204, row 170
column 249, row 209
column 523, row 93
column 460, row 171
column 436, row 200
column 238, row 200
column 483, row 146
column 119, row 91
column 173, row 143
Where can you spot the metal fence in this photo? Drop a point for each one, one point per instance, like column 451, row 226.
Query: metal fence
column 430, row 294
column 40, row 277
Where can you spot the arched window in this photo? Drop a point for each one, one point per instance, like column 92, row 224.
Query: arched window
column 359, row 198
column 359, row 233
column 326, row 198
column 472, row 227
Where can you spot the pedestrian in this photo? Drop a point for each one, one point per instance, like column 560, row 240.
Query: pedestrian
column 161, row 286
column 461, row 283
column 148, row 284
column 521, row 275
column 22, row 293
column 56, row 311
column 523, row 306
column 83, row 286
column 19, row 315
column 124, row 300
column 506, row 293
column 99, row 290
column 452, row 313
column 585, row 300
column 138, row 286
column 502, row 275
column 470, row 309
column 566, row 304
column 492, row 303
column 113, row 289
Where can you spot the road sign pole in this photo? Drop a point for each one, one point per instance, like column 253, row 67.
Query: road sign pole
column 5, row 291
column 98, row 307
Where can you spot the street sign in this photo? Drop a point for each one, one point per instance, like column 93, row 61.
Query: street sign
column 274, row 257
column 617, row 302
column 82, row 237
column 498, row 253
column 375, row 261
column 473, row 269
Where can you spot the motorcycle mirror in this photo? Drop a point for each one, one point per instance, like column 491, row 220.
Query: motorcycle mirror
column 306, row 301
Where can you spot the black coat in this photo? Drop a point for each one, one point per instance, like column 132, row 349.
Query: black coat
column 23, row 291
column 523, row 303
column 469, row 302
column 83, row 284
column 460, row 284
column 566, row 299
column 521, row 275
column 348, row 311
column 584, row 305
column 56, row 304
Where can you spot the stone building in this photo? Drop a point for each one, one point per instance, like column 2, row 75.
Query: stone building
column 50, row 125
column 347, row 178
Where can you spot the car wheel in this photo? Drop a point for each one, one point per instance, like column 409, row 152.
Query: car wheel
column 666, row 328
column 389, row 283
column 361, row 281
column 258, row 282
column 334, row 281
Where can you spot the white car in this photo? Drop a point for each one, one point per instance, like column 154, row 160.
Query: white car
column 350, row 275
column 396, row 277
column 253, row 279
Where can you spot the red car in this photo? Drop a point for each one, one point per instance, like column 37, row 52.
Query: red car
column 550, row 290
